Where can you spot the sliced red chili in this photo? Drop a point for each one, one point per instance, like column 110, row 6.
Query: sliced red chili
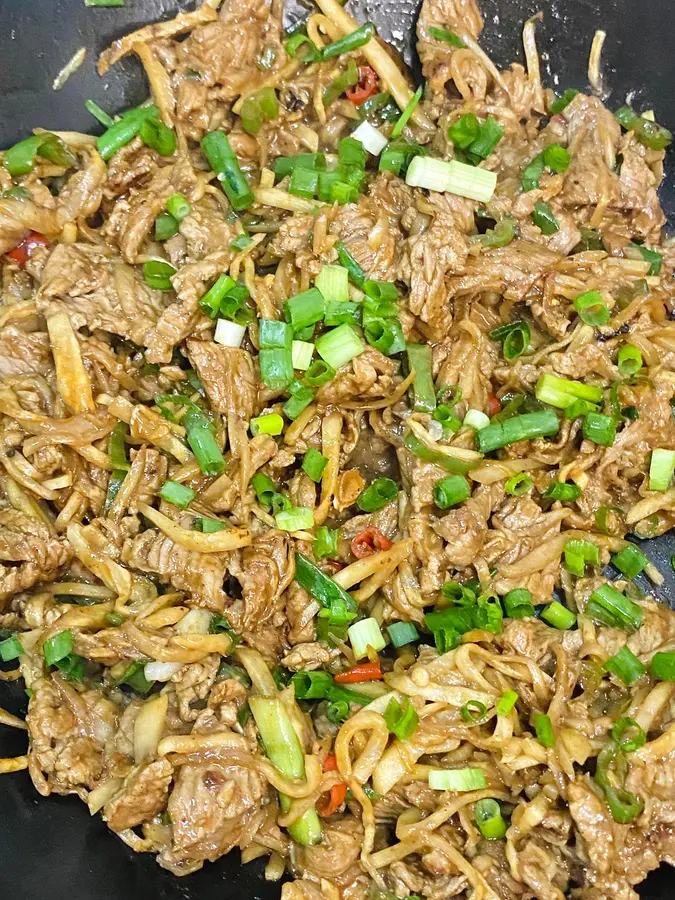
column 365, row 87
column 337, row 793
column 23, row 250
column 370, row 671
column 493, row 405
column 368, row 541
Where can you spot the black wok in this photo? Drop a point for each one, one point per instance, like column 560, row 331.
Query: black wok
column 52, row 848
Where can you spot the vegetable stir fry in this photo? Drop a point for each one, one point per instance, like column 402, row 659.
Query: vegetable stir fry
column 331, row 409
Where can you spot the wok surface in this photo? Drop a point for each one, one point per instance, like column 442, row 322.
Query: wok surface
column 52, row 846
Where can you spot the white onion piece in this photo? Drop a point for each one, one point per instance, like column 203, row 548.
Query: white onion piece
column 162, row 671
column 372, row 139
column 197, row 621
column 149, row 727
column 229, row 334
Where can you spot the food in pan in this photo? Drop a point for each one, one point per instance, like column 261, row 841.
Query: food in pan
column 330, row 412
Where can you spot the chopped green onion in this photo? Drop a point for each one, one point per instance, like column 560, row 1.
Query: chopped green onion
column 349, row 42
column 370, row 138
column 301, row 354
column 580, row 553
column 604, row 516
column 623, row 805
column 301, row 397
column 515, row 338
column 377, row 494
column 446, row 36
column 402, row 633
column 165, row 227
column 563, row 491
column 333, row 283
column 654, row 259
column 298, row 518
column 241, row 242
column 211, row 301
column 600, row 429
column 609, row 607
column 365, row 635
column 630, row 561
column 264, row 488
column 446, row 460
column 591, row 308
column 624, row 726
column 490, row 134
column 407, row 113
column 470, row 779
column 662, row 666
column 158, row 136
column 57, row 647
column 99, row 114
column 386, row 335
column 271, row 423
column 300, row 42
column 531, row 174
column 342, row 313
column 544, row 729
column 356, row 273
column 208, row 526
column 453, row 177
column 502, row 234
column 178, row 207
column 158, row 274
column 661, row 469
column 464, row 131
column 124, row 131
column 314, row 463
column 543, row 218
column 178, row 494
column 274, row 334
column 341, row 606
column 625, row 665
column 11, row 649
column 346, row 79
column 518, row 428
column 561, row 392
column 646, row 132
column 203, row 443
column 444, row 415
column 506, row 703
column 473, row 711
column 305, row 309
column 282, row 746
column 303, row 183
column 458, row 593
column 339, row 346
column 325, row 542
column 117, row 447
column 518, row 603
column 557, row 158
column 276, row 367
column 401, row 718
column 559, row 104
column 629, row 360
column 423, row 391
column 351, row 153
column 450, row 491
column 488, row 816
column 319, row 373
column 558, row 616
column 519, row 484
column 476, row 419
column 222, row 159
column 20, row 159
column 258, row 108
column 285, row 165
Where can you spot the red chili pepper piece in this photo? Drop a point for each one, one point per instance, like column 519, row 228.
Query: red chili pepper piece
column 369, row 671
column 23, row 250
column 493, row 405
column 364, row 88
column 368, row 541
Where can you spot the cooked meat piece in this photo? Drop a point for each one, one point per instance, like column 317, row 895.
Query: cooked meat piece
column 98, row 291
column 228, row 377
column 193, row 684
column 369, row 375
column 31, row 553
column 213, row 807
column 24, row 352
column 67, row 731
column 142, row 796
column 201, row 575
column 309, row 657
